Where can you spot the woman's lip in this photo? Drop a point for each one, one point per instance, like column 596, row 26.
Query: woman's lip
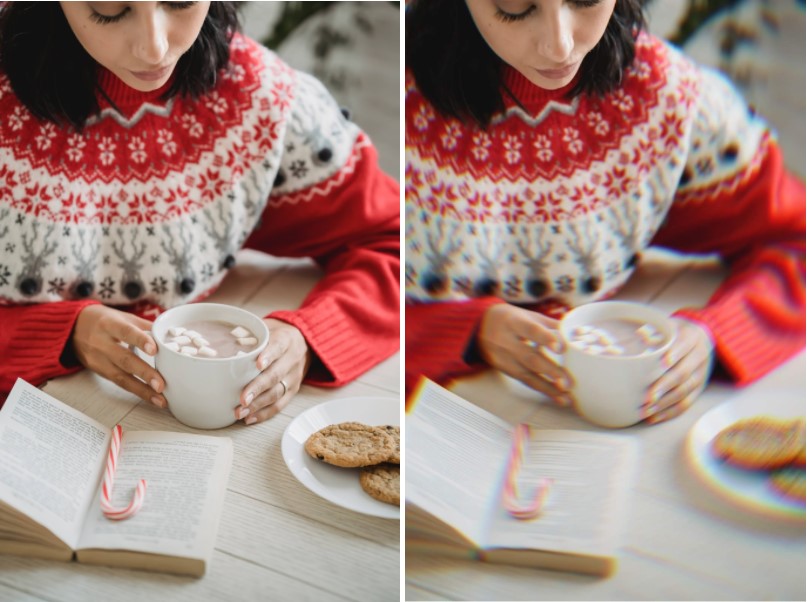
column 557, row 73
column 150, row 76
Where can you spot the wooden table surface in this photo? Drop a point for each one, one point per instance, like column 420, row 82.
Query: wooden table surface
column 680, row 541
column 277, row 540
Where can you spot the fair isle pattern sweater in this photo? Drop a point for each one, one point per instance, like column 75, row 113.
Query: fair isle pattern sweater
column 552, row 204
column 148, row 205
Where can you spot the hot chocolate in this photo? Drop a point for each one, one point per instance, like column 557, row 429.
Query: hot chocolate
column 210, row 338
column 618, row 337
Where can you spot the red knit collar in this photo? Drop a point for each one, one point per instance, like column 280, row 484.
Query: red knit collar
column 124, row 96
column 530, row 95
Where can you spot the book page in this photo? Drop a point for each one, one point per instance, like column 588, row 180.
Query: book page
column 186, row 479
column 586, row 506
column 454, row 455
column 51, row 458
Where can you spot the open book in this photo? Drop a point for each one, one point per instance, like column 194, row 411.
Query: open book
column 457, row 456
column 52, row 459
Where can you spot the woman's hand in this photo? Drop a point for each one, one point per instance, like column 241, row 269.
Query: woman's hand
column 283, row 365
column 513, row 340
column 101, row 340
column 689, row 364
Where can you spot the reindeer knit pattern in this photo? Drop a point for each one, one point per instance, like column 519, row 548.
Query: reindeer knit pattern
column 147, row 206
column 552, row 205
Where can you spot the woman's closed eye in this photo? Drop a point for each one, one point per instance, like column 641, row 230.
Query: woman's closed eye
column 106, row 19
column 509, row 17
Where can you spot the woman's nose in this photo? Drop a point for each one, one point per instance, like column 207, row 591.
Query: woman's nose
column 151, row 44
column 556, row 41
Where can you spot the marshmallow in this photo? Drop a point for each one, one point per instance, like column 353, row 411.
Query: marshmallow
column 200, row 342
column 172, row 346
column 592, row 337
column 188, row 350
column 606, row 338
column 191, row 334
column 175, row 331
column 240, row 332
column 247, row 341
column 182, row 340
column 207, row 352
column 649, row 334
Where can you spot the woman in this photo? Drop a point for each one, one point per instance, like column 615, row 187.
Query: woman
column 551, row 143
column 144, row 144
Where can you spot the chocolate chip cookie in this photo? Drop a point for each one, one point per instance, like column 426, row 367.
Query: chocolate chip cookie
column 760, row 442
column 352, row 444
column 383, row 482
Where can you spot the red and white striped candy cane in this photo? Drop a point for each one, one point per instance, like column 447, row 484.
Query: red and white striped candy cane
column 110, row 511
column 533, row 508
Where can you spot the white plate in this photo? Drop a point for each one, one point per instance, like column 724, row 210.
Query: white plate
column 746, row 488
column 338, row 485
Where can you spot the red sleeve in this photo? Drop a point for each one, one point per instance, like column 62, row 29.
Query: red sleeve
column 32, row 338
column 438, row 337
column 757, row 315
column 350, row 225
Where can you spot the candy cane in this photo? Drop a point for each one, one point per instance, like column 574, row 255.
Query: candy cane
column 510, row 491
column 110, row 511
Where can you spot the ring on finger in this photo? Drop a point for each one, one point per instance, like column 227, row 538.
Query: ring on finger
column 285, row 387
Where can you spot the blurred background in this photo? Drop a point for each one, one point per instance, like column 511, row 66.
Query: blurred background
column 352, row 47
column 759, row 44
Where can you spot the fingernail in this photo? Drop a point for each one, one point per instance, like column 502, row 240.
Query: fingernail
column 150, row 348
column 556, row 346
column 242, row 413
column 547, row 352
column 649, row 411
column 562, row 383
column 250, row 420
column 564, row 400
column 248, row 399
column 155, row 384
column 157, row 401
column 263, row 364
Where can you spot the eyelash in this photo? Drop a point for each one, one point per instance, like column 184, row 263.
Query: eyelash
column 511, row 18
column 106, row 19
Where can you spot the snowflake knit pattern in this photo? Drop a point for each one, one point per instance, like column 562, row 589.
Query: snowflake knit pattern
column 556, row 199
column 150, row 202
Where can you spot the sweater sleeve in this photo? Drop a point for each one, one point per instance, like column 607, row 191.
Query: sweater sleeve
column 349, row 222
column 738, row 200
column 438, row 337
column 32, row 338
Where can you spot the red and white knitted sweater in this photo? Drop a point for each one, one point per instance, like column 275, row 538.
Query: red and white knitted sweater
column 146, row 208
column 553, row 203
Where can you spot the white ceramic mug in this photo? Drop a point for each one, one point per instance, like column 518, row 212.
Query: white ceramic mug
column 203, row 392
column 609, row 390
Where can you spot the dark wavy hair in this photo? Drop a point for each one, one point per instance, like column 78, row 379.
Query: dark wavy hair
column 461, row 76
column 55, row 78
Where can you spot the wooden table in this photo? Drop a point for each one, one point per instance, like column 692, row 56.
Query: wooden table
column 277, row 540
column 681, row 542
